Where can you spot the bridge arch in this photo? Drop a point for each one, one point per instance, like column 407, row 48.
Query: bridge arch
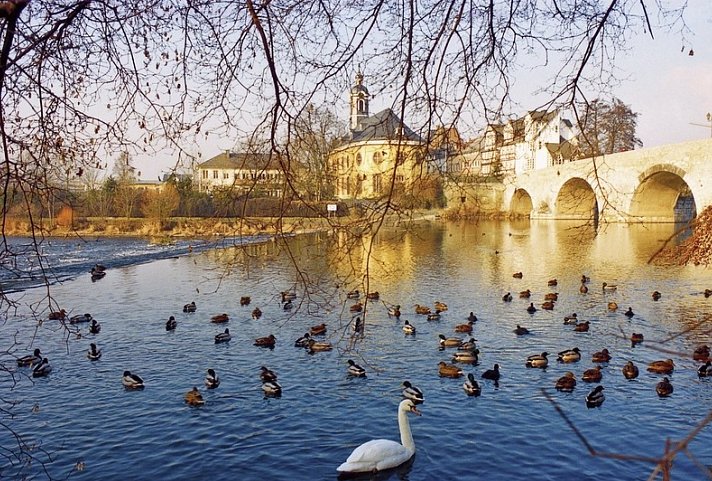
column 521, row 204
column 576, row 200
column 663, row 195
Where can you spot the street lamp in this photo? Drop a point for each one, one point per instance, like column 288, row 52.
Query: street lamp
column 707, row 125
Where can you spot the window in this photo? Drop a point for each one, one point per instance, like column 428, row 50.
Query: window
column 215, row 174
column 359, row 159
column 205, row 174
column 377, row 157
column 377, row 184
column 226, row 175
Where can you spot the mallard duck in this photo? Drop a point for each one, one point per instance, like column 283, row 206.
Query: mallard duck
column 448, row 370
column 303, row 341
column 662, row 367
column 538, row 360
column 373, row 296
column 223, row 336
column 358, row 325
column 315, row 346
column 705, row 370
column 664, row 388
column 132, row 381
column 517, row 275
column 30, row 359
column 601, row 356
column 287, row 306
column 531, row 309
column 42, row 369
column 471, row 387
column 358, row 307
column 468, row 345
column 525, row 294
column 612, row 306
column 189, row 307
column 408, row 328
column 211, row 379
column 708, row 292
column 171, row 324
column 434, row 316
column 582, row 326
column 59, row 315
column 256, row 313
column 394, row 311
column 464, row 327
column 355, row 370
column 566, row 383
column 552, row 282
column 592, row 375
column 656, row 295
column 425, row 310
column 79, row 318
column 272, row 389
column 440, row 306
column 570, row 355
column 469, row 356
column 551, row 296
column 595, row 398
column 507, row 297
column 636, row 338
column 355, row 294
column 267, row 341
column 97, row 274
column 521, row 331
column 572, row 319
column 94, row 354
column 449, row 341
column 548, row 306
column 245, row 300
column 492, row 374
column 585, row 279
column 583, row 289
column 629, row 313
column 701, row 353
column 318, row 330
column 630, row 370
column 288, row 296
column 220, row 318
column 267, row 374
column 413, row 393
column 609, row 287
column 194, row 398
column 472, row 317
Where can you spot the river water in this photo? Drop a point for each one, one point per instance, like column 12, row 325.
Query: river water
column 82, row 418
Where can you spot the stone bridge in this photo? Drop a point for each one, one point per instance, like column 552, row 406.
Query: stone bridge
column 670, row 183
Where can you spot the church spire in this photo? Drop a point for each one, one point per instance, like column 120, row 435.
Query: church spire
column 359, row 102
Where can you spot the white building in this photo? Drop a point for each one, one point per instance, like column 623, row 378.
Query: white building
column 260, row 175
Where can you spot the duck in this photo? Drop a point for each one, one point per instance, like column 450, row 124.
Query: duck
column 595, row 398
column 97, row 268
column 566, row 383
column 358, row 325
column 583, row 289
column 223, row 336
column 315, row 346
column 256, row 313
column 413, row 393
column 585, row 279
column 303, row 341
column 656, row 295
column 551, row 296
column 448, row 370
column 42, row 369
column 469, row 345
column 521, row 331
column 434, row 316
column 30, row 359
column 245, row 300
column 358, row 307
column 79, row 318
column 287, row 306
column 449, row 341
column 592, row 375
column 629, row 313
column 472, row 317
column 97, row 274
column 267, row 374
column 492, row 374
column 440, row 306
column 547, row 305
column 572, row 319
column 636, row 338
column 355, row 294
column 538, row 360
column 373, row 296
column 194, row 398
column 394, row 311
column 469, row 357
column 531, row 309
column 507, row 297
column 408, row 328
column 425, row 310
column 211, row 379
column 612, row 306
column 606, row 287
column 705, row 370
column 570, row 355
column 464, row 327
column 132, row 381
column 552, row 282
column 525, row 294
column 189, row 307
column 220, row 318
column 318, row 330
column 471, row 387
column 708, row 292
column 171, row 324
column 701, row 353
column 662, row 367
column 601, row 356
column 630, row 370
column 267, row 341
column 517, row 275
column 288, row 296
column 272, row 389
column 582, row 326
column 93, row 354
column 355, row 370
column 664, row 388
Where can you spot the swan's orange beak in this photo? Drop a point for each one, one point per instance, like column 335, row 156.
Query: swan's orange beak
column 415, row 411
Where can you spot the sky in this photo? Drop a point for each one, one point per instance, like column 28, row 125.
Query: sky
column 669, row 89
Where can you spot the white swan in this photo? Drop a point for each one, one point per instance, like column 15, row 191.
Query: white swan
column 380, row 454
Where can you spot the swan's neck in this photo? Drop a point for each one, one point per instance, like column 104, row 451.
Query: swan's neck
column 406, row 435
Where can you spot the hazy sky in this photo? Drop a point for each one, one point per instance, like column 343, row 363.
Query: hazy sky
column 667, row 87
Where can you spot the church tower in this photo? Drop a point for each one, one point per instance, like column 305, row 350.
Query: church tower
column 359, row 103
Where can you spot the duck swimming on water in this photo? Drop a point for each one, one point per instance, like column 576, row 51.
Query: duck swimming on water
column 211, row 379
column 413, row 393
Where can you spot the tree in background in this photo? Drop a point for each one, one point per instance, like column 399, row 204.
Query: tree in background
column 606, row 128
column 158, row 205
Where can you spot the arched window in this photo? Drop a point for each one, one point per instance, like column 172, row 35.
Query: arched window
column 377, row 157
column 359, row 159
